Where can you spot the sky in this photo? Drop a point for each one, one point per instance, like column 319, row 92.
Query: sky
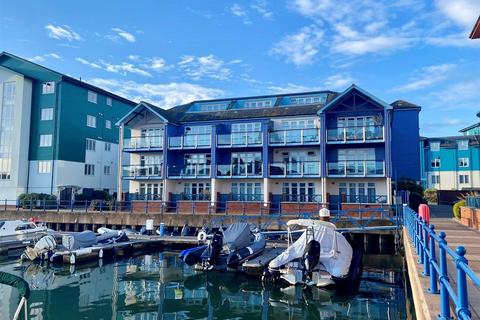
column 173, row 52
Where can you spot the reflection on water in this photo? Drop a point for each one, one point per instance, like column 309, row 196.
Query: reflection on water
column 160, row 286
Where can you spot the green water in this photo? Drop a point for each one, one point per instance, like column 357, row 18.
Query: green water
column 160, row 286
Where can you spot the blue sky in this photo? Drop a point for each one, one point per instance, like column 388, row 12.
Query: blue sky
column 172, row 52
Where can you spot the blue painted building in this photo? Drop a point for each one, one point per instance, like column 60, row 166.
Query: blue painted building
column 452, row 163
column 276, row 150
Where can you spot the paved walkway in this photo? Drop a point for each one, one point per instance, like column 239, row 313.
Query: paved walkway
column 459, row 235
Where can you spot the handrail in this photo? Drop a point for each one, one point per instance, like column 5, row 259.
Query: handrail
column 425, row 240
column 304, row 136
column 143, row 142
column 356, row 133
column 348, row 168
column 300, row 168
column 243, row 138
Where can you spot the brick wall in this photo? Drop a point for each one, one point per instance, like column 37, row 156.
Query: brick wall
column 248, row 208
column 299, row 207
column 354, row 207
column 470, row 217
column 152, row 206
column 194, row 207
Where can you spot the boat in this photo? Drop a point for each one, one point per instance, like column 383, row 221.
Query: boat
column 320, row 257
column 20, row 230
column 23, row 290
column 227, row 248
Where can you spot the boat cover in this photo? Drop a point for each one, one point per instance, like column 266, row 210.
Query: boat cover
column 17, row 282
column 79, row 240
column 237, row 236
column 336, row 252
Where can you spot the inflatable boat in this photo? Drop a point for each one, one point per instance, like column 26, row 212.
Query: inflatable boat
column 320, row 257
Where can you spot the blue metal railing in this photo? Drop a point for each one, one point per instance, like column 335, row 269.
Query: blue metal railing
column 473, row 201
column 425, row 240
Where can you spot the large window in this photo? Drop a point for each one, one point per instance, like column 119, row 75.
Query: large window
column 89, row 169
column 197, row 164
column 91, row 121
column 246, row 163
column 45, row 140
column 197, row 135
column 48, row 87
column 151, row 191
column 299, row 192
column 7, row 118
column 90, row 145
column 196, row 191
column 44, row 166
column 463, row 162
column 360, row 192
column 92, row 96
column 47, row 114
column 247, row 191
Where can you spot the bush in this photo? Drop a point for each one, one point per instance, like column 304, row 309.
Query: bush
column 456, row 208
column 431, row 195
column 36, row 200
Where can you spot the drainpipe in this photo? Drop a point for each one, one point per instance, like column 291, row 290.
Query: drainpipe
column 120, row 161
column 54, row 140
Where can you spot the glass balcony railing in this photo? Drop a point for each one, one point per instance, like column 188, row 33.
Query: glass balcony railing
column 366, row 198
column 252, row 169
column 146, row 171
column 190, row 141
column 240, row 139
column 151, row 142
column 355, row 134
column 294, row 137
column 363, row 168
column 189, row 170
column 195, row 196
column 302, row 198
column 245, row 197
column 297, row 169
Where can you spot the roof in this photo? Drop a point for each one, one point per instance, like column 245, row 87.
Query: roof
column 451, row 141
column 470, row 127
column 402, row 104
column 475, row 34
column 61, row 76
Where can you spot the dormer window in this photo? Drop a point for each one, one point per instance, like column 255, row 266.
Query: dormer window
column 462, row 144
column 435, row 146
column 48, row 87
column 257, row 104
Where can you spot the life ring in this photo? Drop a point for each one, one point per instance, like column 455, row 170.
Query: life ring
column 202, row 236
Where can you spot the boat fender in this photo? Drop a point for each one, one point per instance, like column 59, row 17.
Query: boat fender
column 202, row 236
column 72, row 258
column 100, row 254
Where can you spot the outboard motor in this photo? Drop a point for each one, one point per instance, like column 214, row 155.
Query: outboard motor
column 214, row 248
column 185, row 230
column 311, row 256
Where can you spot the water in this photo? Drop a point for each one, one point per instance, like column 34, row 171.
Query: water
column 160, row 286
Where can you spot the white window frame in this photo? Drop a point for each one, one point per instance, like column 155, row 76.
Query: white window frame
column 435, row 163
column 89, row 169
column 92, row 96
column 48, row 87
column 463, row 179
column 462, row 144
column 107, row 170
column 46, row 114
column 108, row 146
column 91, row 121
column 46, row 140
column 44, row 166
column 435, row 178
column 109, row 101
column 266, row 103
column 90, row 145
column 435, row 146
column 463, row 162
column 108, row 124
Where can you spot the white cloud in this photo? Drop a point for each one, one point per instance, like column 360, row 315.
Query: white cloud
column 205, row 66
column 238, row 11
column 338, row 81
column 261, row 7
column 37, row 59
column 52, row 55
column 157, row 64
column 62, row 32
column 380, row 44
column 121, row 68
column 427, row 77
column 42, row 58
column 300, row 48
column 291, row 88
column 463, row 94
column 164, row 95
column 88, row 63
column 121, row 34
column 462, row 12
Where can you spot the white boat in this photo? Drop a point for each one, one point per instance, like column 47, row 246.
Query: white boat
column 320, row 256
column 20, row 230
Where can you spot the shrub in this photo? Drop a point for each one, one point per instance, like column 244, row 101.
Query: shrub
column 35, row 199
column 431, row 195
column 456, row 208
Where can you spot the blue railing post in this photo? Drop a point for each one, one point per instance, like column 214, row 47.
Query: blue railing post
column 444, row 296
column 426, row 250
column 462, row 293
column 421, row 241
column 433, row 272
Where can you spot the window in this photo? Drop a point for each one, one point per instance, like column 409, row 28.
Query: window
column 44, row 166
column 209, row 107
column 196, row 191
column 246, row 163
column 109, row 101
column 45, row 140
column 90, row 145
column 89, row 169
column 108, row 146
column 106, row 170
column 463, row 162
column 7, row 116
column 92, row 96
column 108, row 124
column 48, row 87
column 247, row 191
column 299, row 192
column 91, row 121
column 308, row 99
column 360, row 193
column 462, row 144
column 436, row 163
column 257, row 104
column 435, row 179
column 151, row 191
column 47, row 114
column 435, row 146
column 463, row 179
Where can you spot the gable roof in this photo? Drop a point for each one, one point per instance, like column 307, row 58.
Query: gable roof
column 137, row 110
column 43, row 73
column 402, row 104
column 475, row 34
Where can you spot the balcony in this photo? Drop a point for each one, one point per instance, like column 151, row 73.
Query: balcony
column 294, row 137
column 200, row 171
column 365, row 168
column 150, row 171
column 248, row 170
column 153, row 143
column 240, row 139
column 295, row 169
column 367, row 198
column 254, row 197
column 355, row 134
column 190, row 141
